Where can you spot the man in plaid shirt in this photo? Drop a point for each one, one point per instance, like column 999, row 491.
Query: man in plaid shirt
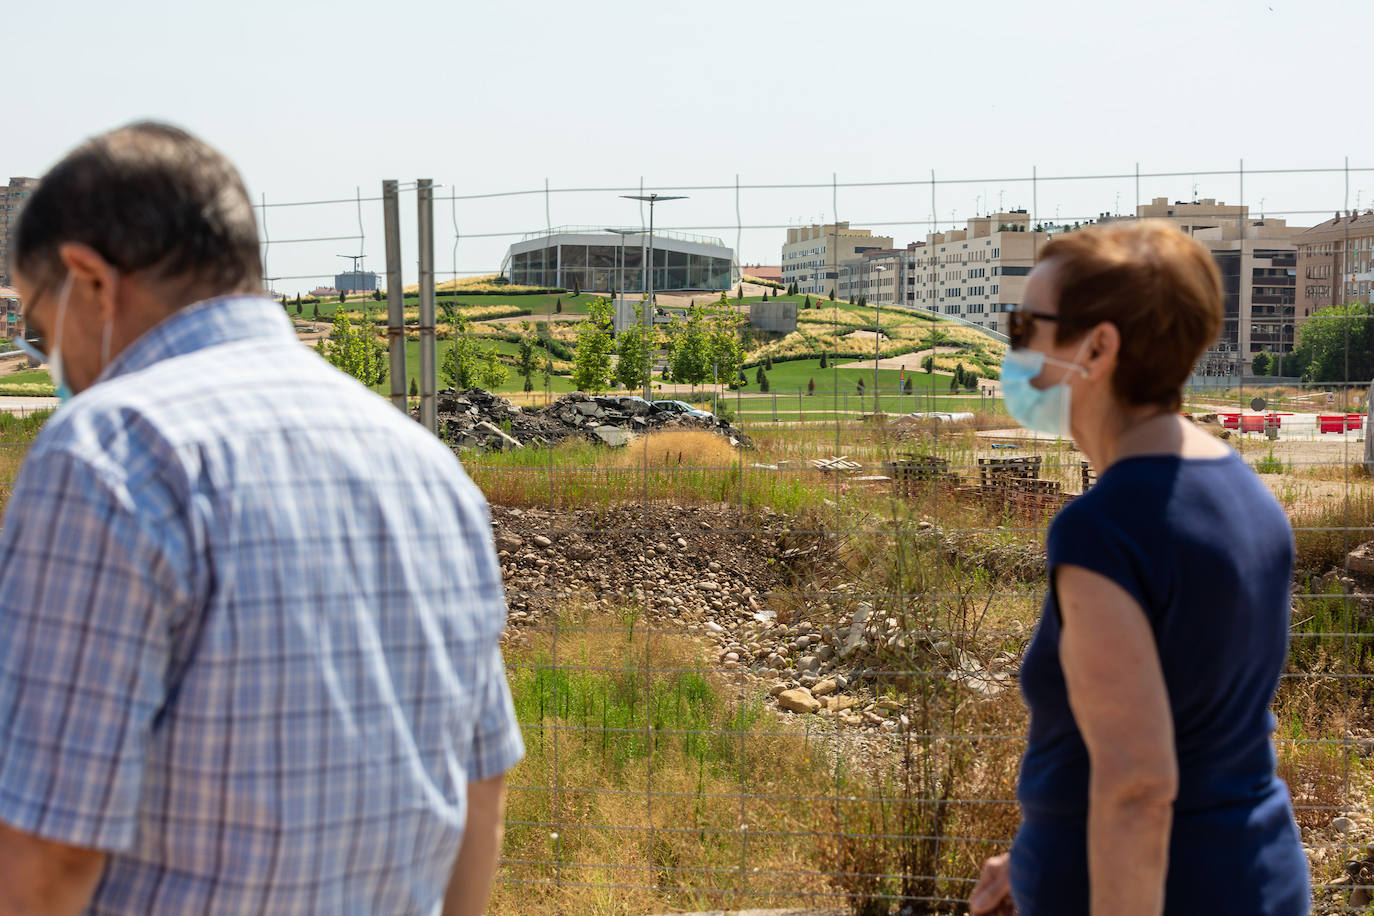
column 249, row 612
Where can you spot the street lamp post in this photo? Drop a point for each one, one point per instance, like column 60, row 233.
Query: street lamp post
column 877, row 337
column 648, row 313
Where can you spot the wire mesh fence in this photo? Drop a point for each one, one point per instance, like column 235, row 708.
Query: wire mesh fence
column 784, row 672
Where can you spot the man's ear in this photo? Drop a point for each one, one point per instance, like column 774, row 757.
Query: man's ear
column 92, row 276
column 1104, row 347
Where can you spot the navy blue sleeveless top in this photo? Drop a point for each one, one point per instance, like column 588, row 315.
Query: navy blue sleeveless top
column 1206, row 551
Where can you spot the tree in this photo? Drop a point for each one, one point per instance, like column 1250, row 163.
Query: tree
column 527, row 363
column 414, row 389
column 468, row 363
column 343, row 295
column 959, row 374
column 376, row 295
column 690, row 355
column 768, row 362
column 1261, row 363
column 725, row 352
column 633, row 352
column 928, row 364
column 763, row 381
column 832, row 294
column 577, row 289
column 953, row 384
column 592, row 363
column 315, row 312
column 824, row 363
column 298, row 298
column 1335, row 344
column 860, row 386
column 299, row 309
column 448, row 313
column 811, row 387
column 807, row 304
column 558, row 305
column 759, row 376
column 355, row 350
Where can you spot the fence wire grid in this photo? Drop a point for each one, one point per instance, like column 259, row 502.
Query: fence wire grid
column 785, row 673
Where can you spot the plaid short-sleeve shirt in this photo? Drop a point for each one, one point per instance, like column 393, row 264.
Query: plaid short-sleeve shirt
column 249, row 623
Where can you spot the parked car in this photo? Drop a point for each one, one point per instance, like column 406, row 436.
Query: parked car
column 682, row 407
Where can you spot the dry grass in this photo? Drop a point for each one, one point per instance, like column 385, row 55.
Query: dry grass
column 649, row 781
column 668, row 448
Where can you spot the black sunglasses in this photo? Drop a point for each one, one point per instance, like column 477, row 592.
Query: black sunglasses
column 1020, row 323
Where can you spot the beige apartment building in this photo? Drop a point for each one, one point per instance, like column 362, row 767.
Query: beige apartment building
column 812, row 255
column 1335, row 262
column 1257, row 259
column 12, row 197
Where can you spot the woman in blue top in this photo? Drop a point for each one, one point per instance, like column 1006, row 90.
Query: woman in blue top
column 1148, row 783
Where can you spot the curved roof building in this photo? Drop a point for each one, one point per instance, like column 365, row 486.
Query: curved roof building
column 598, row 260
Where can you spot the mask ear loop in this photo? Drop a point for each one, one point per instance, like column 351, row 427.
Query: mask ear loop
column 62, row 299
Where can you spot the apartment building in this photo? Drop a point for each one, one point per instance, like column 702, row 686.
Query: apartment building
column 12, row 197
column 812, row 255
column 1335, row 261
column 1258, row 264
column 877, row 275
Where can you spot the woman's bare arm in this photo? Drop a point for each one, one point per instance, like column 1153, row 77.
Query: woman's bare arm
column 1121, row 704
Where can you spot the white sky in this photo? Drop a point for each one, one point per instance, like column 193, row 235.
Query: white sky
column 489, row 96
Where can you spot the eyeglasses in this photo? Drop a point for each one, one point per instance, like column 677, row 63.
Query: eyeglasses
column 31, row 341
column 1020, row 324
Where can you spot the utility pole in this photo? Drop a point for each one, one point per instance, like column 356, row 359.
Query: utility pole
column 395, row 294
column 648, row 313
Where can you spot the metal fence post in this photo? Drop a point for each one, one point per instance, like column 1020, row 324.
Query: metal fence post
column 429, row 375
column 395, row 295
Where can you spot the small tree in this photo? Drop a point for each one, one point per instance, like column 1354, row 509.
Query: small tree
column 811, row 387
column 633, row 351
column 558, row 305
column 953, row 384
column 355, row 351
column 414, row 389
column 824, row 363
column 527, row 363
column 592, row 364
column 299, row 309
column 763, row 381
column 759, row 376
column 807, row 303
column 315, row 311
column 928, row 364
column 298, row 298
column 343, row 295
column 577, row 289
column 376, row 295
column 470, row 364
column 1261, row 363
column 832, row 294
column 860, row 386
column 768, row 362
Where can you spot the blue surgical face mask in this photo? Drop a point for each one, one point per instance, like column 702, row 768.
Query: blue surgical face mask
column 59, row 378
column 1040, row 410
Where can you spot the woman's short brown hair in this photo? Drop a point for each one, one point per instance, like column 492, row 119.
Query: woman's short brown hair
column 1158, row 286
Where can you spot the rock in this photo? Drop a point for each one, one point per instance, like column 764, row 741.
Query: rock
column 714, row 627
column 1341, row 824
column 823, row 688
column 580, row 552
column 841, row 703
column 798, row 700
column 509, row 542
column 542, row 541
column 613, row 436
column 809, row 662
column 1361, row 559
column 776, row 689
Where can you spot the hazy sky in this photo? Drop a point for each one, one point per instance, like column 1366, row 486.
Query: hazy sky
column 313, row 101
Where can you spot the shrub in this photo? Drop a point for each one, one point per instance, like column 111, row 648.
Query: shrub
column 811, row 386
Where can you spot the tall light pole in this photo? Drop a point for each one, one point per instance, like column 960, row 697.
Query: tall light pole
column 877, row 336
column 652, row 199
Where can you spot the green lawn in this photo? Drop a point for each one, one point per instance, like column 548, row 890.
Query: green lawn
column 791, row 376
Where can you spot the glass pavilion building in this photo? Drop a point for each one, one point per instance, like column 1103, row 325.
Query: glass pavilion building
column 599, row 261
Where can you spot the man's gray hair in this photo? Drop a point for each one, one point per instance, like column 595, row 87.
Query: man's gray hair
column 147, row 197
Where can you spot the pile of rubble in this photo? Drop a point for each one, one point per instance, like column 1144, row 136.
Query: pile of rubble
column 744, row 585
column 479, row 419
